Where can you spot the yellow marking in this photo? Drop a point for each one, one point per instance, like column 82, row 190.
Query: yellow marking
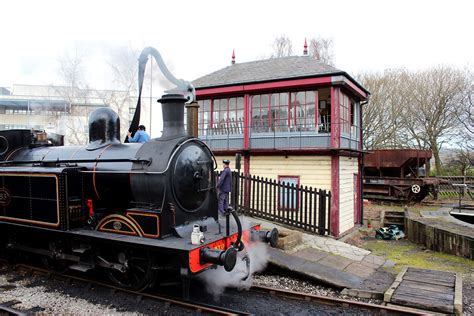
column 121, row 219
column 130, row 214
column 219, row 247
column 39, row 223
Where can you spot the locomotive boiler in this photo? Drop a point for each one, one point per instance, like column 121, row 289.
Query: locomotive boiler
column 139, row 212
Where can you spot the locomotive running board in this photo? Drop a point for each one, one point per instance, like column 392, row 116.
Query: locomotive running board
column 81, row 267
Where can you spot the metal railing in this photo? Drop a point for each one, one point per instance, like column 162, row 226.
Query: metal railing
column 294, row 205
column 231, row 137
column 449, row 188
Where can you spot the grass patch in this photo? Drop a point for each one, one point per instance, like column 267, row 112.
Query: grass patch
column 403, row 252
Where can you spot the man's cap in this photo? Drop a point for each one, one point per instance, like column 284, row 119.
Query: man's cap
column 226, row 161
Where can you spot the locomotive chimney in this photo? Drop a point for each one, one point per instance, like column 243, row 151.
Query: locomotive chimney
column 172, row 107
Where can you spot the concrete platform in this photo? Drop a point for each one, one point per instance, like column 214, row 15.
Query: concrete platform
column 332, row 262
column 316, row 271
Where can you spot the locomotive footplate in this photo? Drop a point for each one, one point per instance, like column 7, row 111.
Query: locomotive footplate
column 190, row 254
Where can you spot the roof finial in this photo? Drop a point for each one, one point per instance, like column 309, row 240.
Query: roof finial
column 305, row 51
column 233, row 56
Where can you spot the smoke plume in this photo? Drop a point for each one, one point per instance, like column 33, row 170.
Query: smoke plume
column 217, row 280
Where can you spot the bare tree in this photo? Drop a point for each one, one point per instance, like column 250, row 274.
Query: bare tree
column 421, row 109
column 382, row 114
column 322, row 49
column 75, row 92
column 72, row 73
column 461, row 161
column 123, row 65
column 282, row 46
column 466, row 113
column 432, row 117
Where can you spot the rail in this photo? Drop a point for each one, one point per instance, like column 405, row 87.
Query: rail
column 194, row 306
column 210, row 309
column 364, row 308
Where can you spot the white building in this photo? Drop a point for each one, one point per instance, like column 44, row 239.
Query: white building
column 59, row 109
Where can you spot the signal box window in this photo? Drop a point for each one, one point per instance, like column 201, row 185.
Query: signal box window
column 288, row 193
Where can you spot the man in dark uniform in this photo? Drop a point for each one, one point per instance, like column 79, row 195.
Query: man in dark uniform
column 224, row 186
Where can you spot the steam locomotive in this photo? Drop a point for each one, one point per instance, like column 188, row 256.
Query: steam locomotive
column 139, row 212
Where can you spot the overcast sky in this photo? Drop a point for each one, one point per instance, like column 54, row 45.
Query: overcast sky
column 197, row 37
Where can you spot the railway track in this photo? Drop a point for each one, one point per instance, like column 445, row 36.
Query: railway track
column 167, row 301
column 349, row 305
column 7, row 308
column 331, row 301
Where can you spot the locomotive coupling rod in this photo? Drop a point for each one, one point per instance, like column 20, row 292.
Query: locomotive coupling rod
column 116, row 266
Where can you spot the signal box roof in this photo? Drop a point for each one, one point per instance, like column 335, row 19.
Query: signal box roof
column 272, row 69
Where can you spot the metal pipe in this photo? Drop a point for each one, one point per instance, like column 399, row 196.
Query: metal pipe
column 192, row 110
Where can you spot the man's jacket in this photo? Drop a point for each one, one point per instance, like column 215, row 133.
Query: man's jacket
column 225, row 181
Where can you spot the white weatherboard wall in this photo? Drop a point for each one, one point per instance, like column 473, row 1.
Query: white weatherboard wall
column 347, row 168
column 232, row 166
column 314, row 171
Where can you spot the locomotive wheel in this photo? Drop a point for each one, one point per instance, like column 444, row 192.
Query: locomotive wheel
column 139, row 273
column 415, row 188
column 54, row 264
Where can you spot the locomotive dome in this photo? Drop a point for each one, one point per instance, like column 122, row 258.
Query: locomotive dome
column 104, row 128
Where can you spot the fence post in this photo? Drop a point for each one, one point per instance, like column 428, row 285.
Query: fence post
column 233, row 196
column 247, row 193
column 322, row 212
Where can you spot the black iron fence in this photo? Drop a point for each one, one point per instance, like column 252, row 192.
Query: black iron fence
column 293, row 205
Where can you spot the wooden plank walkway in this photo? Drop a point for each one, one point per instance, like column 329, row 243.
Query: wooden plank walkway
column 432, row 290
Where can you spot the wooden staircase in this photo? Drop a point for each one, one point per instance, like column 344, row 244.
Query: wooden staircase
column 394, row 218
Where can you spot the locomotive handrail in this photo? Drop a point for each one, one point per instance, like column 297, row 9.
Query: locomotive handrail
column 212, row 155
column 43, row 162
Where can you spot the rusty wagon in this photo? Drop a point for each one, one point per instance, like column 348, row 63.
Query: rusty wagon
column 398, row 175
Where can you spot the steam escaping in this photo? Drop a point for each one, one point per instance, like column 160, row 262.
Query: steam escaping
column 217, row 280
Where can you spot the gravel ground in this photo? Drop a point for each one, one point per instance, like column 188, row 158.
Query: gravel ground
column 264, row 304
column 61, row 297
column 57, row 296
column 299, row 285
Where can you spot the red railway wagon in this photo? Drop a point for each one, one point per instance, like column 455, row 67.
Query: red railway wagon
column 398, row 175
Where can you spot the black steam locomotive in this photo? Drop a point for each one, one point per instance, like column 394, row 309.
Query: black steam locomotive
column 140, row 212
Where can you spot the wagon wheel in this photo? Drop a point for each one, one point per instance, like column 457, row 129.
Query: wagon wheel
column 415, row 188
column 138, row 274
